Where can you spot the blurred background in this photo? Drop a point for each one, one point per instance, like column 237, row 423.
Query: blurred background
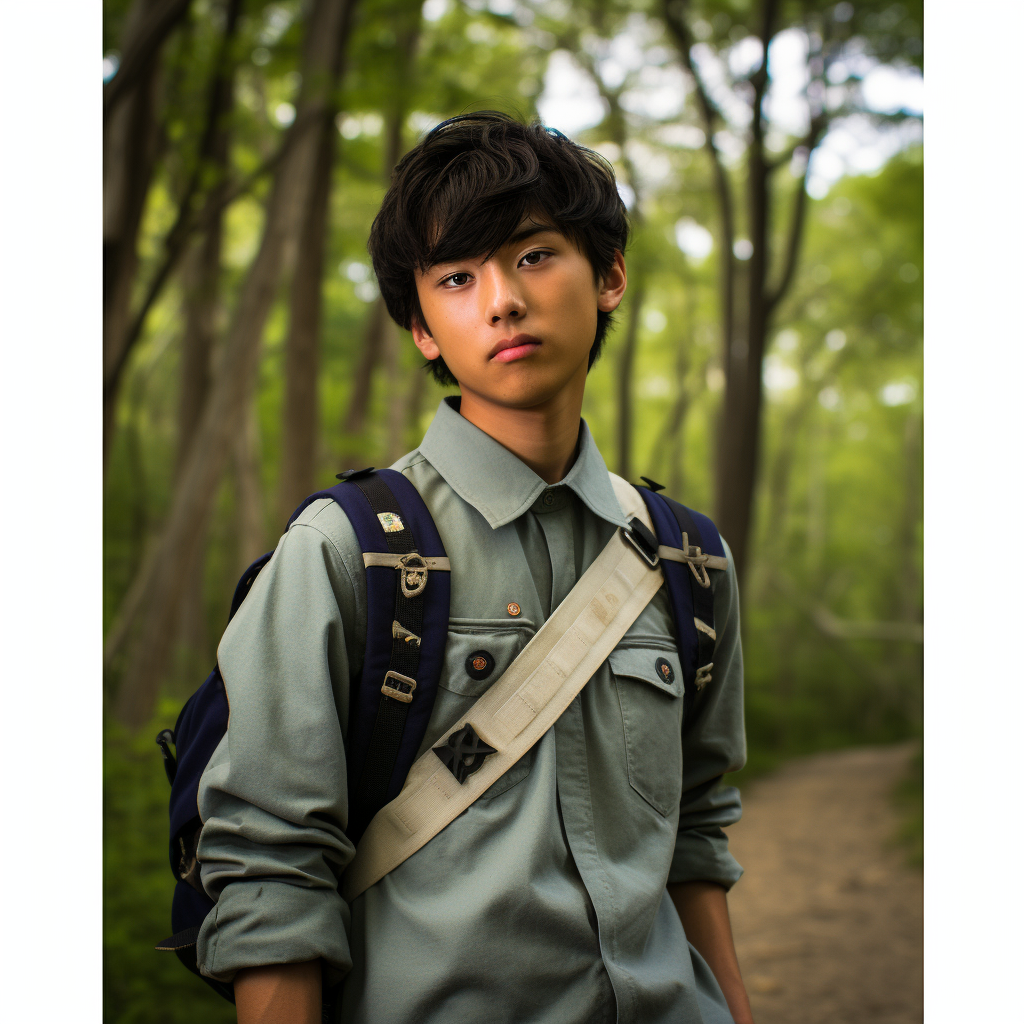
column 765, row 365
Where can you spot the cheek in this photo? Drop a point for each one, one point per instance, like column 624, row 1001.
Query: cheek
column 574, row 305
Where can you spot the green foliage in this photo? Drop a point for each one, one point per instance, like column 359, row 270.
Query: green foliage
column 141, row 985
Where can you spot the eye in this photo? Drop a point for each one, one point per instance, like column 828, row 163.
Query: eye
column 455, row 280
column 532, row 258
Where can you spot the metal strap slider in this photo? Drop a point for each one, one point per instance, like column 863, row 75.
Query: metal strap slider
column 412, row 574
column 405, row 696
column 643, row 540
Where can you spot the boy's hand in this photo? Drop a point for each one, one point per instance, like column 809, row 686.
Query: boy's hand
column 279, row 994
column 704, row 912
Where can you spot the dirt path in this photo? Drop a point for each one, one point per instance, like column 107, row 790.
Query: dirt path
column 828, row 916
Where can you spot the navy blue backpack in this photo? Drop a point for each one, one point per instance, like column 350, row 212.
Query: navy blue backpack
column 406, row 630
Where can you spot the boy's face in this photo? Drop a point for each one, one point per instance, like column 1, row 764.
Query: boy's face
column 516, row 329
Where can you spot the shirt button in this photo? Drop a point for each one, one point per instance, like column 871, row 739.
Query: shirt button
column 549, row 498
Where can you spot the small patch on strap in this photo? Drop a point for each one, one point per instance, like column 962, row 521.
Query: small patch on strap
column 391, row 522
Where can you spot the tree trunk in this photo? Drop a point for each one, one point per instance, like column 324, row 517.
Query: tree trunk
column 326, row 36
column 671, row 443
column 203, row 308
column 249, row 492
column 740, row 425
column 150, row 28
column 202, row 291
column 414, row 406
column 395, row 409
column 197, row 342
column 130, row 149
column 302, row 349
column 624, row 384
column 362, row 380
column 375, row 333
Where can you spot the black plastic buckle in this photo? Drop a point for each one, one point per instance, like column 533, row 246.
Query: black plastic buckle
column 643, row 540
column 353, row 474
column 463, row 753
column 653, row 484
column 163, row 739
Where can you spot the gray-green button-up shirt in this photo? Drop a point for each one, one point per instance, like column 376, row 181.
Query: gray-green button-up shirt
column 545, row 901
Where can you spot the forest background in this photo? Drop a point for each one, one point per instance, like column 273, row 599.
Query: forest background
column 765, row 366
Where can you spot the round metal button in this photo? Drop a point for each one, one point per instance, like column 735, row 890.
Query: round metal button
column 479, row 665
column 548, row 499
column 513, row 608
column 664, row 669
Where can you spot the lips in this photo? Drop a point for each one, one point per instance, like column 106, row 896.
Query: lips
column 510, row 349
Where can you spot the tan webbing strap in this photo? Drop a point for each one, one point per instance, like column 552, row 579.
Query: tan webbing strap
column 520, row 706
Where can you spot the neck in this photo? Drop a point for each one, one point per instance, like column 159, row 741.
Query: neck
column 543, row 436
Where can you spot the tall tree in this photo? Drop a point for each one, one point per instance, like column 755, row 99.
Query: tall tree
column 750, row 299
column 615, row 126
column 326, row 35
column 302, row 348
column 131, row 143
column 377, row 342
column 202, row 308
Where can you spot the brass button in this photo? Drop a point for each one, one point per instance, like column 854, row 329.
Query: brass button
column 479, row 664
column 549, row 498
column 513, row 608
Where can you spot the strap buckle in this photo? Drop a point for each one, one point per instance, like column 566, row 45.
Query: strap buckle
column 463, row 753
column 696, row 559
column 405, row 696
column 412, row 574
column 643, row 540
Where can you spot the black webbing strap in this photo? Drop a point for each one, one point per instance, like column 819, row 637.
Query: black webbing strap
column 703, row 597
column 405, row 657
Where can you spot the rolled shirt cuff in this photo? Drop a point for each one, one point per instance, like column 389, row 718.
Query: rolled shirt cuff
column 258, row 923
column 702, row 855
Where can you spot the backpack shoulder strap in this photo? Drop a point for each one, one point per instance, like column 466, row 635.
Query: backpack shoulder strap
column 408, row 595
column 518, row 707
column 689, row 545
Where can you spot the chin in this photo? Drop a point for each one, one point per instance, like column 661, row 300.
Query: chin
column 527, row 394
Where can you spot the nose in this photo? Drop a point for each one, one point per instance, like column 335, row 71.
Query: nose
column 503, row 301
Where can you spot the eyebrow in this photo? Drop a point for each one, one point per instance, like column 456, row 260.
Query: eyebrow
column 528, row 231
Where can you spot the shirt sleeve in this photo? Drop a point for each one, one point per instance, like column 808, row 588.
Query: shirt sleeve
column 714, row 743
column 273, row 799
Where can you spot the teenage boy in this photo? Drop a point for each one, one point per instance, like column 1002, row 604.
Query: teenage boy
column 500, row 247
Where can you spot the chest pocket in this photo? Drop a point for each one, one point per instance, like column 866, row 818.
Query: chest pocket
column 649, row 682
column 462, row 682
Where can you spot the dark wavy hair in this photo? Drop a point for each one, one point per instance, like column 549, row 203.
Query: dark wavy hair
column 465, row 189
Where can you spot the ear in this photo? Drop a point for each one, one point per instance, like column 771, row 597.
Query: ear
column 423, row 339
column 612, row 286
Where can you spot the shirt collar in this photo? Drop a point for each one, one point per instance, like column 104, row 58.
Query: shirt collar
column 498, row 484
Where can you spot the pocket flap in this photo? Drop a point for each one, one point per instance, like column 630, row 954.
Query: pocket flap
column 658, row 667
column 500, row 646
